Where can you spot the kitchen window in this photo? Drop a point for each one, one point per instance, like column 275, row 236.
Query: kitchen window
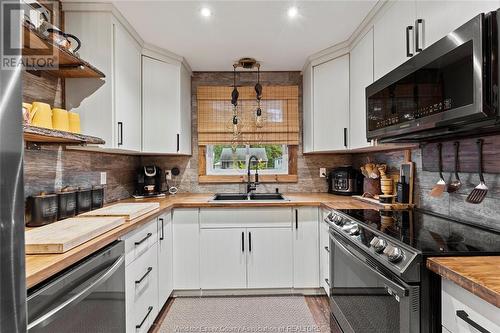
column 274, row 141
column 224, row 160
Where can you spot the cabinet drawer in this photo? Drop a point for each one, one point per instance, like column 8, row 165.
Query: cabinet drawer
column 141, row 284
column 139, row 241
column 245, row 217
column 472, row 310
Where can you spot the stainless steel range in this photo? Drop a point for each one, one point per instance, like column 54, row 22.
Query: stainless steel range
column 378, row 279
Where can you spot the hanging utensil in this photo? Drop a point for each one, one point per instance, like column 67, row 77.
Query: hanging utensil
column 479, row 192
column 440, row 186
column 456, row 183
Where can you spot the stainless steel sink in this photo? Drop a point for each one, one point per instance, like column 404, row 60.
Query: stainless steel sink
column 246, row 197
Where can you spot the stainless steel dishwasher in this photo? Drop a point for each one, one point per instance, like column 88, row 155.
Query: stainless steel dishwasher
column 87, row 297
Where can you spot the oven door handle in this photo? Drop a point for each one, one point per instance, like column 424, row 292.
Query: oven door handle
column 80, row 295
column 391, row 286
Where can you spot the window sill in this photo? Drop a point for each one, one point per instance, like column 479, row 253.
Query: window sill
column 233, row 179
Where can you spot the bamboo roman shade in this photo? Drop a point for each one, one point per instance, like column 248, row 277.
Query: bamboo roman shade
column 280, row 111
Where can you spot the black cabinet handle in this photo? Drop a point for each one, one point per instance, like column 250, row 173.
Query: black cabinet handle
column 465, row 317
column 242, row 241
column 144, row 239
column 178, row 137
column 250, row 241
column 327, row 282
column 146, row 317
column 418, row 23
column 144, row 276
column 327, row 249
column 296, row 219
column 120, row 133
column 408, row 29
column 162, row 237
column 345, row 137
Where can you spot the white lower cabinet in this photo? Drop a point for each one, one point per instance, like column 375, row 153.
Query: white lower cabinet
column 186, row 242
column 305, row 247
column 324, row 254
column 270, row 260
column 165, row 258
column 141, row 279
column 462, row 310
column 223, row 258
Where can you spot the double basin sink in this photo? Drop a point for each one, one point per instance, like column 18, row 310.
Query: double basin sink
column 249, row 197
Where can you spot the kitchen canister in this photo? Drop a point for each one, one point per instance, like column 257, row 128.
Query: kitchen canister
column 97, row 197
column 74, row 122
column 66, row 202
column 41, row 115
column 43, row 208
column 60, row 119
column 83, row 200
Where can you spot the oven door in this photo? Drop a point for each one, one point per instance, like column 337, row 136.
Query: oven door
column 366, row 298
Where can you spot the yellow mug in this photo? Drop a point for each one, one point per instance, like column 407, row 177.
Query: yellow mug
column 60, row 119
column 41, row 115
column 74, row 122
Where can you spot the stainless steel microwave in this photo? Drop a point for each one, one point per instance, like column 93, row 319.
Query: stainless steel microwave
column 451, row 87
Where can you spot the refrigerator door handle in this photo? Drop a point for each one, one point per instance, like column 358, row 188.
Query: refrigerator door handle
column 81, row 295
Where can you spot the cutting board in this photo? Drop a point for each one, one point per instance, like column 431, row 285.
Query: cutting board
column 64, row 235
column 128, row 210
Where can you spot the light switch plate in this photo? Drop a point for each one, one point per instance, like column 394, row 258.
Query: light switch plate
column 322, row 172
column 168, row 174
column 103, row 178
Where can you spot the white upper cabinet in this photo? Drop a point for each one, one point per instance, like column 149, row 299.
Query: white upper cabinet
column 330, row 105
column 394, row 36
column 442, row 17
column 127, row 79
column 361, row 75
column 307, row 95
column 166, row 107
column 109, row 108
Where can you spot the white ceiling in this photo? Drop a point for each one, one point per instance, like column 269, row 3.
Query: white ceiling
column 259, row 29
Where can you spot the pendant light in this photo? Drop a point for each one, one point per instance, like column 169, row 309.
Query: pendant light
column 259, row 121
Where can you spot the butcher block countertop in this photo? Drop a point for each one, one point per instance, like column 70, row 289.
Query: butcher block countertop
column 479, row 275
column 40, row 267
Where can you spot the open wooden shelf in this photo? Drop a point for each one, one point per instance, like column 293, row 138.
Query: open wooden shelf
column 38, row 47
column 45, row 135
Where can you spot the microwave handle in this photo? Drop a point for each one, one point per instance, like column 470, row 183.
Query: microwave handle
column 399, row 290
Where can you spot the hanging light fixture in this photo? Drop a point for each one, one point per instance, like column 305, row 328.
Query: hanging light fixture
column 235, row 122
column 259, row 119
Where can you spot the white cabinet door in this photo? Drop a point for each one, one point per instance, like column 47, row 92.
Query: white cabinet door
column 186, row 242
column 127, row 80
column 270, row 259
column 305, row 248
column 331, row 104
column 185, row 112
column 161, row 106
column 442, row 17
column 390, row 39
column 361, row 75
column 307, row 107
column 165, row 258
column 223, row 258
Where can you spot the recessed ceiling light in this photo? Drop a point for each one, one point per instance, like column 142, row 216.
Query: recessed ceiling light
column 292, row 12
column 206, row 12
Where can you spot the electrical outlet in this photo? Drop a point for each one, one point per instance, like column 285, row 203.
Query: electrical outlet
column 103, row 178
column 168, row 174
column 322, row 172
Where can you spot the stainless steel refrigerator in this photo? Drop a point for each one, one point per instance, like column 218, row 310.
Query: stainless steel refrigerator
column 12, row 266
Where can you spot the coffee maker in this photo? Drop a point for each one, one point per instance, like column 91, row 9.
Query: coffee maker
column 149, row 182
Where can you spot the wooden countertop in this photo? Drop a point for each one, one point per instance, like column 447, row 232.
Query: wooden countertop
column 40, row 267
column 479, row 275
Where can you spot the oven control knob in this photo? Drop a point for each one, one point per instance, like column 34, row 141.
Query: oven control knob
column 378, row 244
column 394, row 254
column 354, row 231
column 329, row 217
column 338, row 220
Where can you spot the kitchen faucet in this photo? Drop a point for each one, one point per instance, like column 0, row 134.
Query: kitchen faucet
column 252, row 186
